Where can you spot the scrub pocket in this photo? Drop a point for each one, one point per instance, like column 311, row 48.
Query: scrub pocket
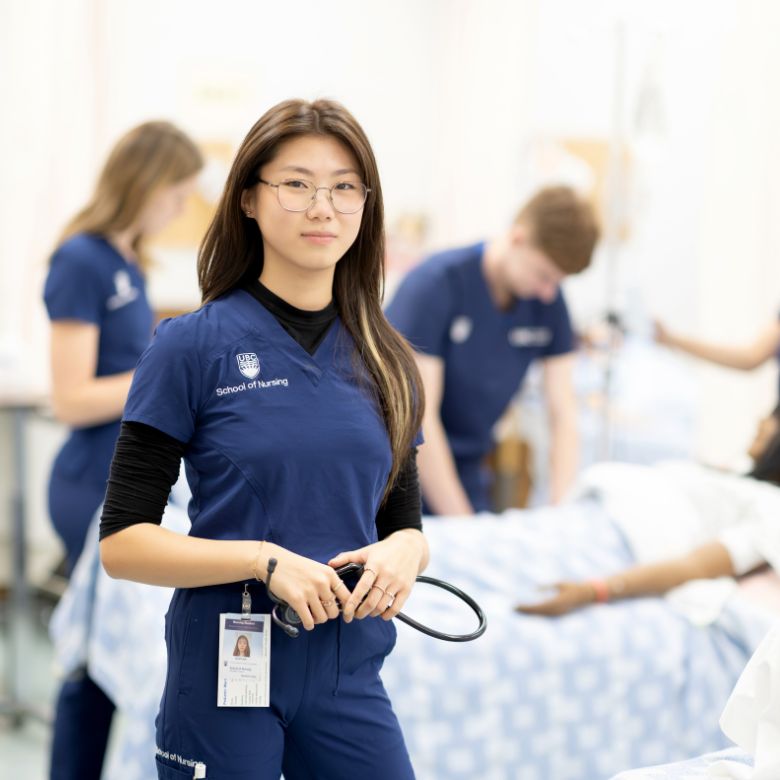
column 367, row 641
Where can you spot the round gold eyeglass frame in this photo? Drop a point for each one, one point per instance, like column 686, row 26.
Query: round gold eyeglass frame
column 329, row 190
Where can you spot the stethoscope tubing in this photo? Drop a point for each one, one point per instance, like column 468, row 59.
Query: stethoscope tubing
column 463, row 596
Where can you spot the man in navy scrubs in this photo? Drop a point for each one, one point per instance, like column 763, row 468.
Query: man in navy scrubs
column 477, row 317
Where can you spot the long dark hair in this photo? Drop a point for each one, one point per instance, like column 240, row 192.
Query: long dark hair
column 767, row 465
column 232, row 252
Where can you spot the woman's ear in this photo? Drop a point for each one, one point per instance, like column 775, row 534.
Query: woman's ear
column 519, row 235
column 247, row 202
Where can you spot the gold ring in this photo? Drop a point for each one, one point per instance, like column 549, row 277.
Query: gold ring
column 378, row 588
column 365, row 568
column 338, row 585
column 390, row 603
column 326, row 603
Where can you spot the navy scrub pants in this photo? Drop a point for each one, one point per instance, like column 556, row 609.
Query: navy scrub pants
column 330, row 717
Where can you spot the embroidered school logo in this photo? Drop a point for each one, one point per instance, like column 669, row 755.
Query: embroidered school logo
column 248, row 364
column 460, row 330
column 125, row 292
column 529, row 337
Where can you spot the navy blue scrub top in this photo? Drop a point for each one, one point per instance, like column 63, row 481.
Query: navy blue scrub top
column 89, row 281
column 443, row 307
column 281, row 445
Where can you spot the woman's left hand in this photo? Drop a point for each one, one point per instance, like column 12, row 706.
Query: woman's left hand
column 390, row 568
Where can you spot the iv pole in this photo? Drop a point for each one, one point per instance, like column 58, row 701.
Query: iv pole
column 613, row 218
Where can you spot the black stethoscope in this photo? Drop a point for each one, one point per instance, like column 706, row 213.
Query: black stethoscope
column 289, row 620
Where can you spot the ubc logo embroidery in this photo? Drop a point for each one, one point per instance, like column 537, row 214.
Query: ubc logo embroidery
column 248, row 364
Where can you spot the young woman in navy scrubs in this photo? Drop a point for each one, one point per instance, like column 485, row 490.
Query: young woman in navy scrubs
column 100, row 324
column 297, row 410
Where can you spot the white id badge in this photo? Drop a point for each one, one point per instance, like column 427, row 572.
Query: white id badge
column 244, row 660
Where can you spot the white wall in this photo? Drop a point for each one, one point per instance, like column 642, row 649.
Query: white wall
column 738, row 244
column 47, row 157
column 702, row 189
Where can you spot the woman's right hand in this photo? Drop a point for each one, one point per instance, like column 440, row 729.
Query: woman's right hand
column 312, row 589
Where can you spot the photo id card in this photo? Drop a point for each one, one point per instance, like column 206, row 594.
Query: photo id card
column 244, row 660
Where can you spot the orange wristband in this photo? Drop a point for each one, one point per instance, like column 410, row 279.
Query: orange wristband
column 600, row 589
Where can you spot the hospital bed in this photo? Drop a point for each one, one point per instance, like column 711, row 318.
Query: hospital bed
column 579, row 697
column 708, row 766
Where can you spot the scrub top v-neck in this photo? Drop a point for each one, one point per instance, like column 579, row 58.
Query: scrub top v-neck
column 281, row 445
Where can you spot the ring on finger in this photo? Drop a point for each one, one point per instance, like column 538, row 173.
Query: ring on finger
column 338, row 585
column 327, row 603
column 365, row 568
column 392, row 600
column 378, row 588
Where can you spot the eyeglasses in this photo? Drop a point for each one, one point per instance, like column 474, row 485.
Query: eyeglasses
column 346, row 197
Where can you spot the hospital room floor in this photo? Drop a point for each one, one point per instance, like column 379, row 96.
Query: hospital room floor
column 24, row 750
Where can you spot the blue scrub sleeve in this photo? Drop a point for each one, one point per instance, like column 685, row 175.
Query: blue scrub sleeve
column 562, row 340
column 420, row 310
column 167, row 385
column 74, row 289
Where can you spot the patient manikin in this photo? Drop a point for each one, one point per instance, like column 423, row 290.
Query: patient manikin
column 684, row 523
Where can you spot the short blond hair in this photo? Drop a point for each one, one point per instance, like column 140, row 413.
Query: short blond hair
column 563, row 226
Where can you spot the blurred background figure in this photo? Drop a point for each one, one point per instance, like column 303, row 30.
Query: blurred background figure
column 478, row 317
column 101, row 322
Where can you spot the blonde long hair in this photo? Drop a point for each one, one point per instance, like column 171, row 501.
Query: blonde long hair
column 150, row 156
column 232, row 252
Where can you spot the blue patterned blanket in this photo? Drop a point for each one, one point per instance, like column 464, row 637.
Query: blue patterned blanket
column 579, row 697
